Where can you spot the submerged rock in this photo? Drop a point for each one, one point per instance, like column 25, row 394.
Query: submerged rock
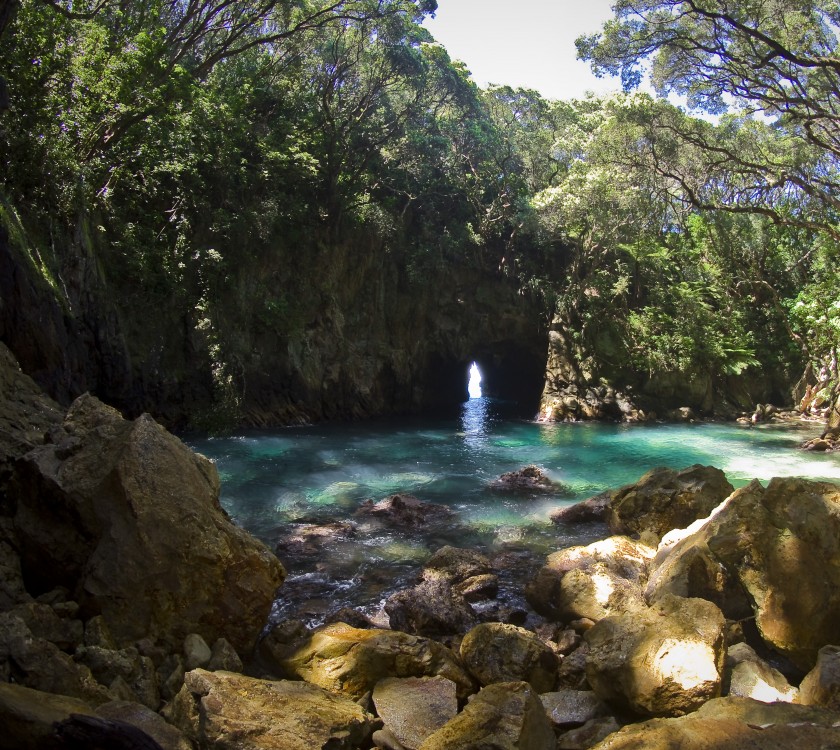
column 405, row 511
column 127, row 517
column 529, row 478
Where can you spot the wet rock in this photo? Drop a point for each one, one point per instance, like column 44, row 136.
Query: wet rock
column 821, row 686
column 664, row 661
column 128, row 518
column 572, row 708
column 732, row 724
column 456, row 565
column 415, row 707
column 592, row 510
column 503, row 716
column 664, row 499
column 151, row 723
column 758, row 555
column 217, row 709
column 478, row 588
column 497, row 652
column 431, row 608
column 27, row 716
column 405, row 512
column 350, row 616
column 529, row 478
column 752, row 677
column 595, row 581
column 351, row 661
column 306, row 541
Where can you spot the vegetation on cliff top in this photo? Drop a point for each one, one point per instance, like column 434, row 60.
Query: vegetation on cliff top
column 214, row 150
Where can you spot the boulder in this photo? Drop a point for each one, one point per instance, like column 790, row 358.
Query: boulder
column 732, row 724
column 503, row 716
column 351, row 661
column 497, row 652
column 196, row 652
column 127, row 517
column 588, row 735
column 26, row 415
column 227, row 710
column 223, row 657
column 664, row 499
column 148, row 721
column 752, row 677
column 663, row 661
column 405, row 512
column 528, row 479
column 430, row 608
column 415, row 707
column 603, row 578
column 134, row 674
column 41, row 665
column 770, row 552
column 456, row 565
column 592, row 510
column 821, row 686
column 572, row 708
column 27, row 716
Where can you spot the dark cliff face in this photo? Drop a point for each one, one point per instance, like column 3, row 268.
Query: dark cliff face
column 342, row 332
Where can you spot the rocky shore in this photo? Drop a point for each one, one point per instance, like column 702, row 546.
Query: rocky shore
column 133, row 614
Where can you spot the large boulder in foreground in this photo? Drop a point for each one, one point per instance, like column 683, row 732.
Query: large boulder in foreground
column 664, row 499
column 603, row 578
column 503, row 716
column 228, row 710
column 664, row 661
column 127, row 517
column 498, row 652
column 773, row 552
column 351, row 661
column 732, row 724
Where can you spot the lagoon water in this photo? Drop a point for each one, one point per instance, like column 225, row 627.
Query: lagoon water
column 277, row 484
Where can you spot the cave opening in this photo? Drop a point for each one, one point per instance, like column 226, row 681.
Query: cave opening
column 474, row 382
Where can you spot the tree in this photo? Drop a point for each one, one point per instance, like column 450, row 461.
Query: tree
column 775, row 58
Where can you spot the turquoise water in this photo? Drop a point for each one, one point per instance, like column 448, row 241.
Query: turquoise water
column 286, row 479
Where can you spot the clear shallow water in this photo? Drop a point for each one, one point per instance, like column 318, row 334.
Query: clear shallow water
column 276, row 483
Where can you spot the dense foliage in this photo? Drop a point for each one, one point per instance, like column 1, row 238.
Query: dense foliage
column 212, row 147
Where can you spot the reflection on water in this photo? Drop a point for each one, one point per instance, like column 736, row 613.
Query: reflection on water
column 475, row 422
column 296, row 477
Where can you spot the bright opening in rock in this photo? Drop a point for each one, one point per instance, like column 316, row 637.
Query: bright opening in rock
column 474, row 386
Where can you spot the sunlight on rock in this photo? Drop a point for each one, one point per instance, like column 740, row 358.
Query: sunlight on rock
column 762, row 691
column 604, row 588
column 673, row 537
column 690, row 664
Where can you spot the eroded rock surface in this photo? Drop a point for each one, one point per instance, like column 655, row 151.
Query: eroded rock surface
column 664, row 499
column 663, row 661
column 127, row 517
column 413, row 708
column 351, row 661
column 227, row 710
